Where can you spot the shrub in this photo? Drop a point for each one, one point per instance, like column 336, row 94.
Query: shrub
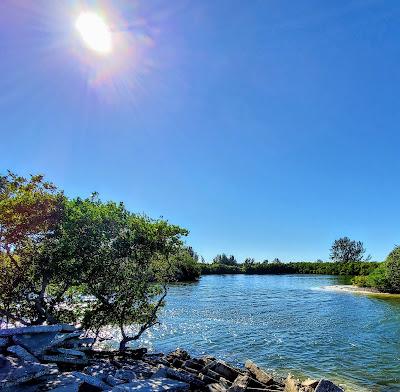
column 360, row 281
column 392, row 265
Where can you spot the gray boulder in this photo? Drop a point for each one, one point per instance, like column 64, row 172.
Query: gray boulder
column 14, row 371
column 100, row 370
column 153, row 385
column 240, row 384
column 91, row 380
column 258, row 373
column 64, row 359
column 35, row 343
column 37, row 329
column 327, row 386
column 216, row 387
column 4, row 342
column 127, row 375
column 21, row 353
column 65, row 382
column 141, row 369
column 184, row 376
column 113, row 381
column 224, row 370
column 71, row 352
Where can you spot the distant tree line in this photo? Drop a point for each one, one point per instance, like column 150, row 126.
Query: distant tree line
column 347, row 258
column 264, row 268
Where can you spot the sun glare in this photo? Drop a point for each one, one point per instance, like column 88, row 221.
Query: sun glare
column 94, row 31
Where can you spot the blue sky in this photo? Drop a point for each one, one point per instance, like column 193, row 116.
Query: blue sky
column 267, row 128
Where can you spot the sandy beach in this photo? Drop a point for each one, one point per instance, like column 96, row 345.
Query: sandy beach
column 359, row 290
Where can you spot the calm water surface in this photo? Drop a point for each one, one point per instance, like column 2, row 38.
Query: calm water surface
column 286, row 323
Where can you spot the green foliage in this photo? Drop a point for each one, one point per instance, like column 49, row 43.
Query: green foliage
column 392, row 265
column 216, row 268
column 386, row 277
column 225, row 260
column 185, row 266
column 351, row 268
column 30, row 210
column 360, row 281
column 121, row 260
column 55, row 252
column 344, row 250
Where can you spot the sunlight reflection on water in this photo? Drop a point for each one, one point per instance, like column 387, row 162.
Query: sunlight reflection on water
column 285, row 323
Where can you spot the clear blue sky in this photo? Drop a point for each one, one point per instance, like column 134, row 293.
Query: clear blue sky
column 267, row 128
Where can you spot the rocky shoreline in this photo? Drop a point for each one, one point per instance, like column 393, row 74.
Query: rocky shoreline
column 60, row 358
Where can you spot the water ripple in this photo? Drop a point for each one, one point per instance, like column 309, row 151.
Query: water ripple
column 285, row 323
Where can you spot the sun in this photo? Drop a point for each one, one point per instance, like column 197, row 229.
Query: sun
column 95, row 32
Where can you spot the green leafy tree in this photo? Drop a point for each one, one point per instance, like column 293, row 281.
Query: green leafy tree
column 55, row 251
column 185, row 266
column 225, row 260
column 124, row 261
column 392, row 265
column 30, row 211
column 344, row 250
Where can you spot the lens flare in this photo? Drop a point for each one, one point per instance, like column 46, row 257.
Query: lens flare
column 95, row 32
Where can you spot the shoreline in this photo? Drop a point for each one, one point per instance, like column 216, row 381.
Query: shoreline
column 358, row 290
column 60, row 358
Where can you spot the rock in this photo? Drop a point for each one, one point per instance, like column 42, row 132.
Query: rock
column 271, row 388
column 72, row 387
column 161, row 372
column 91, row 380
column 37, row 329
column 4, row 342
column 113, row 381
column 240, row 383
column 38, row 343
column 153, row 385
column 216, row 387
column 291, row 384
column 14, row 371
column 224, row 382
column 100, row 370
column 35, row 343
column 21, row 353
column 310, row 383
column 258, row 373
column 64, row 359
column 226, row 371
column 206, row 360
column 211, row 374
column 127, row 375
column 137, row 353
column 192, row 364
column 177, row 362
column 327, row 386
column 141, row 369
column 64, row 382
column 186, row 377
column 207, row 379
column 64, row 338
column 71, row 352
column 179, row 354
column 77, row 344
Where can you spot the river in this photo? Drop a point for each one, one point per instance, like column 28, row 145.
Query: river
column 286, row 323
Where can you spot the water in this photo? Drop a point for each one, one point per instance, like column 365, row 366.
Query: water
column 286, row 323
